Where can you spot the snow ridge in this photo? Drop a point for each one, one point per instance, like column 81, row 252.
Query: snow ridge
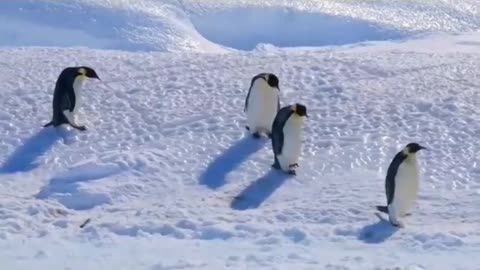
column 166, row 166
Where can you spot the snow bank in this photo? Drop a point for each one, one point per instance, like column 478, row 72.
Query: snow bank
column 165, row 174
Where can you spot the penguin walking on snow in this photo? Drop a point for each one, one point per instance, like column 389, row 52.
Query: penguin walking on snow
column 401, row 184
column 262, row 103
column 287, row 137
column 66, row 95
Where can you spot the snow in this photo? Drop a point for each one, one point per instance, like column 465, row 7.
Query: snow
column 166, row 175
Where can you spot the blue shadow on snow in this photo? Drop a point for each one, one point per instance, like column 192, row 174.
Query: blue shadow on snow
column 257, row 192
column 23, row 158
column 378, row 232
column 68, row 183
column 214, row 175
column 289, row 27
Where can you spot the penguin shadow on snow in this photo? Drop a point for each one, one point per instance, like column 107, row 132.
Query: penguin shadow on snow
column 259, row 191
column 214, row 176
column 23, row 158
column 378, row 232
column 65, row 187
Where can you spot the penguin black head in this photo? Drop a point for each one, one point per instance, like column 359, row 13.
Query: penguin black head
column 87, row 72
column 272, row 80
column 299, row 109
column 413, row 148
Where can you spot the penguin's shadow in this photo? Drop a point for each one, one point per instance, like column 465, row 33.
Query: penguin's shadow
column 378, row 232
column 214, row 176
column 23, row 158
column 259, row 190
column 67, row 186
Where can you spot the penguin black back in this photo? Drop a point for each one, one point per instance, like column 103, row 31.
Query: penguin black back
column 277, row 128
column 391, row 173
column 64, row 95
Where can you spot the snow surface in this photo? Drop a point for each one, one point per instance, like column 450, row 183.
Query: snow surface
column 166, row 175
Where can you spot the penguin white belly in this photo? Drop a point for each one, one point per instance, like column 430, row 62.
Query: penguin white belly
column 262, row 107
column 77, row 85
column 292, row 142
column 406, row 187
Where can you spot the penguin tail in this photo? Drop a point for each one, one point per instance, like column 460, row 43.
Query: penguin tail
column 48, row 124
column 382, row 208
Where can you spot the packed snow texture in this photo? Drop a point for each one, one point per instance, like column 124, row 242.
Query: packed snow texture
column 166, row 176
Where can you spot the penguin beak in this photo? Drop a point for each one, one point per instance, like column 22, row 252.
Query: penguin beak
column 93, row 75
column 422, row 147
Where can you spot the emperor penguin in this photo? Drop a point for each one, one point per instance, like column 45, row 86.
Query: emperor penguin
column 401, row 184
column 262, row 103
column 287, row 137
column 67, row 95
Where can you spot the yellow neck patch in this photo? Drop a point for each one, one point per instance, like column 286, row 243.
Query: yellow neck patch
column 294, row 108
column 82, row 71
column 82, row 75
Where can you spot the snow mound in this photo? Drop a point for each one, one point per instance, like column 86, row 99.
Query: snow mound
column 166, row 166
column 99, row 24
column 174, row 26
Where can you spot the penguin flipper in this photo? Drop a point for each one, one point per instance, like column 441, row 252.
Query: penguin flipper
column 382, row 208
column 245, row 106
column 258, row 76
column 391, row 174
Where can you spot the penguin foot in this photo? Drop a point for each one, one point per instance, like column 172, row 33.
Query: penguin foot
column 256, row 135
column 295, row 165
column 269, row 135
column 276, row 166
column 247, row 128
column 292, row 172
column 397, row 223
column 81, row 128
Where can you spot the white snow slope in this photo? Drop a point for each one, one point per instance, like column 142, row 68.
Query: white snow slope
column 168, row 177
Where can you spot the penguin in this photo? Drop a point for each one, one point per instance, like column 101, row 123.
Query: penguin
column 66, row 95
column 262, row 104
column 401, row 184
column 287, row 137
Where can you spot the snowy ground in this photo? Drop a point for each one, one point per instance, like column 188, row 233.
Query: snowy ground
column 166, row 173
